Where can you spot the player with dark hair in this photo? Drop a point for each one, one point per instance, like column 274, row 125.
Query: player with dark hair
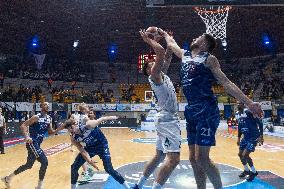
column 199, row 70
column 34, row 130
column 168, row 128
column 252, row 130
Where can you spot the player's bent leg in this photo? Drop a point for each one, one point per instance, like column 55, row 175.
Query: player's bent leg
column 150, row 167
column 253, row 173
column 117, row 176
column 244, row 162
column 199, row 174
column 172, row 160
column 109, row 169
column 28, row 165
column 78, row 162
column 207, row 165
column 44, row 163
column 153, row 163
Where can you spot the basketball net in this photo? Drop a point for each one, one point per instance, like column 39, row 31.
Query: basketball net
column 215, row 20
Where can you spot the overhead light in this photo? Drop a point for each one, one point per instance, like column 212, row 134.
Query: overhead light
column 76, row 43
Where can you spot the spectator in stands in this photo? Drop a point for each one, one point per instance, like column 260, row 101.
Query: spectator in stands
column 55, row 120
column 49, row 82
column 2, row 131
column 1, row 80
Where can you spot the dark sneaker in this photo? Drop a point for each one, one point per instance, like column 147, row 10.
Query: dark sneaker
column 244, row 174
column 251, row 176
column 135, row 186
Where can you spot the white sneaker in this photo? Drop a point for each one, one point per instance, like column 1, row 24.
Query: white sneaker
column 6, row 182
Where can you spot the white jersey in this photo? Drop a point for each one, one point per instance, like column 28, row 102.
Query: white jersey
column 76, row 117
column 165, row 94
column 2, row 120
column 167, row 124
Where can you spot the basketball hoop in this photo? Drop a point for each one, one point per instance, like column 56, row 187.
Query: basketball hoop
column 215, row 20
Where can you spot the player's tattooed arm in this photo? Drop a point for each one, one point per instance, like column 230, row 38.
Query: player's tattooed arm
column 171, row 43
column 25, row 125
column 97, row 122
column 84, row 153
column 168, row 59
column 231, row 88
column 160, row 56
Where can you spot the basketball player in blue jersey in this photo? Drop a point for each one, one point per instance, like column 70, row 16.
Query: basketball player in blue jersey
column 90, row 141
column 198, row 71
column 167, row 126
column 34, row 130
column 252, row 130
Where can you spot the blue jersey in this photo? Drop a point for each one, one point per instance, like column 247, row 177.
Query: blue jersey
column 196, row 78
column 39, row 129
column 249, row 126
column 89, row 136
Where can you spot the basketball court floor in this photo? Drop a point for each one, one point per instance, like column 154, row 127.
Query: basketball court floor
column 130, row 150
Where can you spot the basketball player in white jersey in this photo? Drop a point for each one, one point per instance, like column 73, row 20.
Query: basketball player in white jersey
column 81, row 111
column 167, row 125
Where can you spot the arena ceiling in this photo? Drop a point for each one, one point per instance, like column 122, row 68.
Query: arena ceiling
column 98, row 23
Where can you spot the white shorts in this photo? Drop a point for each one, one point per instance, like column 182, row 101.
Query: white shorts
column 168, row 136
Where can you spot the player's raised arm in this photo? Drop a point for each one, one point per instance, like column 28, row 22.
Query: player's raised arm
column 160, row 55
column 168, row 59
column 97, row 122
column 171, row 43
column 231, row 88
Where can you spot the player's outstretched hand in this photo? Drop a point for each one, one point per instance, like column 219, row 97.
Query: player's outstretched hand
column 28, row 140
column 113, row 117
column 260, row 140
column 256, row 110
column 145, row 36
column 93, row 164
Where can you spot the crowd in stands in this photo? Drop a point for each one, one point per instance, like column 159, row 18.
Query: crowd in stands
column 60, row 95
column 263, row 76
column 260, row 76
column 80, row 95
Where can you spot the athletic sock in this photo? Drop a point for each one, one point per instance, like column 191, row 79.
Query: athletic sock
column 156, row 186
column 142, row 181
column 246, row 167
column 126, row 185
column 253, row 169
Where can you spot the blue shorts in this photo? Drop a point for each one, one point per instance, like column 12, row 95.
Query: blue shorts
column 202, row 121
column 102, row 150
column 248, row 145
column 34, row 149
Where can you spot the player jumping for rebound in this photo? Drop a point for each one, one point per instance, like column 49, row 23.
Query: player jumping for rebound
column 199, row 70
column 252, row 130
column 167, row 126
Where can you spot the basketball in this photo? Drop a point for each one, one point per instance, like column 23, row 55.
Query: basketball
column 152, row 33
